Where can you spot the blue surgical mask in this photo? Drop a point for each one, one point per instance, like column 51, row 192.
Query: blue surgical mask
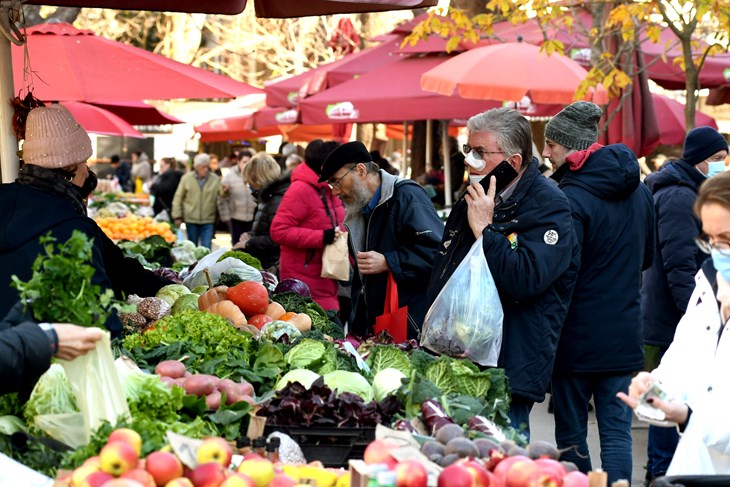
column 721, row 263
column 714, row 168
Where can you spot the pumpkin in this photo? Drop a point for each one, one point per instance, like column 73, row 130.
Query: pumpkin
column 275, row 310
column 212, row 296
column 228, row 310
column 287, row 316
column 301, row 322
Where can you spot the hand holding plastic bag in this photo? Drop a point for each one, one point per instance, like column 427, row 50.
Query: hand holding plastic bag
column 465, row 320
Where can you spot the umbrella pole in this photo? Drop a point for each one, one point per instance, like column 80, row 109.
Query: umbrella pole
column 8, row 141
column 405, row 169
column 429, row 145
column 446, row 153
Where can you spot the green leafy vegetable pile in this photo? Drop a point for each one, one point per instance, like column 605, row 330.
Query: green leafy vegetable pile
column 77, row 300
column 244, row 257
column 152, row 252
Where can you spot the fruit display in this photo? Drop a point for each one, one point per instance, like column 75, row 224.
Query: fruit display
column 132, row 227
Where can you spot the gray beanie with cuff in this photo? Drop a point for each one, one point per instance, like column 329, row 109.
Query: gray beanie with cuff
column 576, row 126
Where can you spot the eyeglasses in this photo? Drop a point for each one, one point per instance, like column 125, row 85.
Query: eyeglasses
column 705, row 246
column 466, row 148
column 337, row 182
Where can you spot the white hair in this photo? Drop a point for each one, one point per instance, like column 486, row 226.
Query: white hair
column 201, row 160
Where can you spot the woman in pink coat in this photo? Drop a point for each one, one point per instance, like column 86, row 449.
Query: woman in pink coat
column 305, row 223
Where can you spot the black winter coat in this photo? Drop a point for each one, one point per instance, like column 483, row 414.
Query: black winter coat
column 529, row 247
column 668, row 284
column 163, row 190
column 613, row 219
column 261, row 245
column 406, row 229
column 25, row 353
column 28, row 214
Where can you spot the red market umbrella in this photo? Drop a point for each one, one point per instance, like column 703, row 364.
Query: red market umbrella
column 264, row 8
column 72, row 64
column 670, row 115
column 392, row 94
column 138, row 113
column 509, row 72
column 99, row 121
column 234, row 128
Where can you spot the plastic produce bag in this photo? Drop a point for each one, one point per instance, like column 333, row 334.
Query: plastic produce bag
column 465, row 320
column 229, row 265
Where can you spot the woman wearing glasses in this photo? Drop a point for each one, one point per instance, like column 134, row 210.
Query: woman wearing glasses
column 693, row 371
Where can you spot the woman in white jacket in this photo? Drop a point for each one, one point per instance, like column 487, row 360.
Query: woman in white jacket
column 236, row 204
column 694, row 371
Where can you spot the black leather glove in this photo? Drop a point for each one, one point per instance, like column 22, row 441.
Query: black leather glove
column 329, row 236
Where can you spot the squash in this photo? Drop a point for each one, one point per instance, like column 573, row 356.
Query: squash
column 275, row 310
column 212, row 296
column 301, row 322
column 228, row 310
column 287, row 316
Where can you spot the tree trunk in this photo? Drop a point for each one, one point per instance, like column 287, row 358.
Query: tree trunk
column 691, row 85
column 471, row 7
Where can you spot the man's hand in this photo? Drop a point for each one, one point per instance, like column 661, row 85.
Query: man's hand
column 74, row 340
column 242, row 241
column 675, row 412
column 372, row 262
column 480, row 206
column 178, row 222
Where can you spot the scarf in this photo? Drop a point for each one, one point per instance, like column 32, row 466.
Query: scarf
column 51, row 182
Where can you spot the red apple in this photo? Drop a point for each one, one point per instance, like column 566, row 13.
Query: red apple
column 78, row 475
column 96, row 479
column 575, row 479
column 500, row 471
column 378, row 451
column 120, row 482
column 544, row 478
column 118, row 457
column 216, row 450
column 482, row 476
column 455, row 475
column 519, row 472
column 128, row 436
column 238, row 480
column 163, row 466
column 495, row 457
column 94, row 461
column 208, row 475
column 141, row 476
column 260, row 470
column 552, row 465
column 249, row 456
column 411, row 473
column 260, row 320
column 282, row 480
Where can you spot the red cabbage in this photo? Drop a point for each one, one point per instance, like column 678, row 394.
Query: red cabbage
column 293, row 286
column 270, row 281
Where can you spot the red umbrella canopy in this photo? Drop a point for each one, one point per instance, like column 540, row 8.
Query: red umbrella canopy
column 670, row 115
column 138, row 113
column 509, row 72
column 71, row 64
column 99, row 121
column 392, row 93
column 264, row 8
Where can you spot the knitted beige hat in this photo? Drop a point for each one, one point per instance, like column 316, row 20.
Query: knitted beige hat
column 54, row 139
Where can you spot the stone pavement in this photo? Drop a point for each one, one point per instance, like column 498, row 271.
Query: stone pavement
column 542, row 427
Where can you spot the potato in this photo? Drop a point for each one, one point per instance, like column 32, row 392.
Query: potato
column 171, row 368
column 249, row 400
column 200, row 384
column 169, row 381
column 275, row 310
column 213, row 400
column 246, row 389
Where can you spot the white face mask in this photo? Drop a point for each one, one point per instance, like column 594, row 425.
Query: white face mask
column 473, row 160
column 476, row 178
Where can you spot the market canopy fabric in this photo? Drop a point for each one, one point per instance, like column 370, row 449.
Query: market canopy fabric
column 100, row 121
column 264, row 8
column 670, row 116
column 68, row 64
column 138, row 113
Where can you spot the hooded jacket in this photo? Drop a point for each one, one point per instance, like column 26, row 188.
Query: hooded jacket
column 28, row 214
column 613, row 219
column 669, row 282
column 406, row 229
column 529, row 247
column 298, row 227
column 260, row 244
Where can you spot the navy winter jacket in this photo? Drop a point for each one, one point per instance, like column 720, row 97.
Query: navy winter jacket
column 670, row 280
column 528, row 247
column 613, row 218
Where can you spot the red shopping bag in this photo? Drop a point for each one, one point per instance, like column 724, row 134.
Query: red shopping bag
column 394, row 320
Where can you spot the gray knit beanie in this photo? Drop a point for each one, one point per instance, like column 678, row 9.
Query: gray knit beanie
column 576, row 126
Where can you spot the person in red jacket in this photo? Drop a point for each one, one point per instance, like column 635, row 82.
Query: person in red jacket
column 307, row 220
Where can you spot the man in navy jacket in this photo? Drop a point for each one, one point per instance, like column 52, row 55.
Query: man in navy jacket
column 601, row 345
column 528, row 244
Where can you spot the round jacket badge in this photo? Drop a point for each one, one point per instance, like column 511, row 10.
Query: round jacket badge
column 550, row 237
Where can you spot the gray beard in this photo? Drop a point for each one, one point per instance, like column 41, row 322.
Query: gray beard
column 360, row 198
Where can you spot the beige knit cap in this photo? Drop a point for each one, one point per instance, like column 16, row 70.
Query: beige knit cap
column 54, row 139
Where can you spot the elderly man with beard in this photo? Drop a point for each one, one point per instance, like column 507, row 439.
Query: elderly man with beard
column 393, row 228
